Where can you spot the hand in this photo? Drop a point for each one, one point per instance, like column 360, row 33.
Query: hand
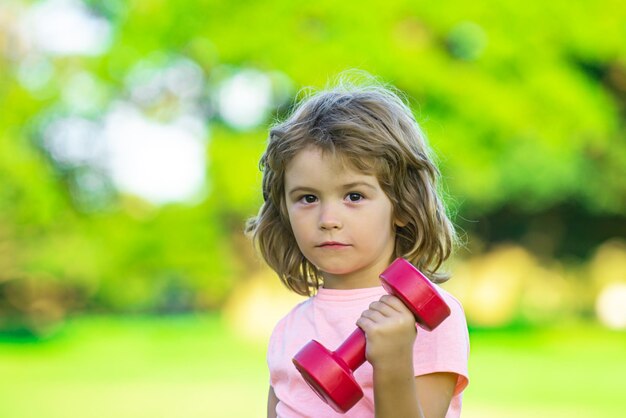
column 390, row 332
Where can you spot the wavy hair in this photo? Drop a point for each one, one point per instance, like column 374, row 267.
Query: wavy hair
column 370, row 128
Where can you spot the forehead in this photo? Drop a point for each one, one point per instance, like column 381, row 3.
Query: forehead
column 312, row 170
column 335, row 160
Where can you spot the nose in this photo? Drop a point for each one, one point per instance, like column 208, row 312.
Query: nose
column 329, row 218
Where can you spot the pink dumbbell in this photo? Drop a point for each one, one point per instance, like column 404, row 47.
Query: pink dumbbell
column 329, row 373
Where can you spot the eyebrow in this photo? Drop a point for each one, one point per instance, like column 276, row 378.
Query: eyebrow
column 301, row 189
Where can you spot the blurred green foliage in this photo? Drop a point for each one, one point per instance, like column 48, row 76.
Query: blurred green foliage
column 523, row 101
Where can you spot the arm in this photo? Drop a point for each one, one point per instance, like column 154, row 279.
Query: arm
column 390, row 330
column 272, row 401
column 435, row 392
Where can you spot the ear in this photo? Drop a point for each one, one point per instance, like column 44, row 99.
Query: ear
column 400, row 222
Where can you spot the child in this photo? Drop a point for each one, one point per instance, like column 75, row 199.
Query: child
column 349, row 185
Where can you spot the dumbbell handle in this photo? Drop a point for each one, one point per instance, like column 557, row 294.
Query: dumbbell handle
column 352, row 350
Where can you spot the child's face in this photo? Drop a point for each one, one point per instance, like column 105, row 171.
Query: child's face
column 341, row 219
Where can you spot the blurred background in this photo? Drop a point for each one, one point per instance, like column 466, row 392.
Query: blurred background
column 130, row 134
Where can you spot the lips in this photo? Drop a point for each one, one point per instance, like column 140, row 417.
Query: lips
column 332, row 244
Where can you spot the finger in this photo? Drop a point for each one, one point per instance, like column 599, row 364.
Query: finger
column 373, row 315
column 365, row 324
column 394, row 303
column 382, row 307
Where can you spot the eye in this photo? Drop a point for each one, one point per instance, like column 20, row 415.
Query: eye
column 355, row 197
column 308, row 198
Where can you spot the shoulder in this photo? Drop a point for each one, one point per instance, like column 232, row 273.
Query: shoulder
column 451, row 336
column 288, row 336
column 296, row 313
column 456, row 307
column 454, row 327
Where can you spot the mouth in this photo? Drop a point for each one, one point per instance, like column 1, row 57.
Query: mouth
column 332, row 244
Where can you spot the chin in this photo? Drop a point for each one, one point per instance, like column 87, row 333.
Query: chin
column 336, row 270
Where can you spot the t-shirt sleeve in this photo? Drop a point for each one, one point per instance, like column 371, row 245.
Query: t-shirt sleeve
column 446, row 348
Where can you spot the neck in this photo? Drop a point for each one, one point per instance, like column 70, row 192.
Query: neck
column 351, row 281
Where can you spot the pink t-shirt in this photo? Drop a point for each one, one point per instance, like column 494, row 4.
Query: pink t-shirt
column 329, row 317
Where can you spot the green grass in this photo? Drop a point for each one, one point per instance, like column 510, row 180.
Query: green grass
column 563, row 372
column 195, row 367
column 104, row 367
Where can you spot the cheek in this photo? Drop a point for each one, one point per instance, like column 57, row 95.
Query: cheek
column 375, row 229
column 297, row 224
column 385, row 218
column 388, row 227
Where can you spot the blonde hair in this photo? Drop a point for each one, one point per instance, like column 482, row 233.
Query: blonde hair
column 370, row 128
